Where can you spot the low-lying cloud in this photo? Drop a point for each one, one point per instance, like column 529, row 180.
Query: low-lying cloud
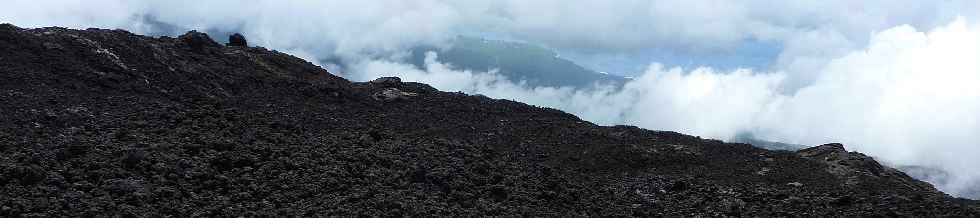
column 908, row 98
column 906, row 95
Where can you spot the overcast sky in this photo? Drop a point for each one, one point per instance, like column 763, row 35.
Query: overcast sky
column 894, row 79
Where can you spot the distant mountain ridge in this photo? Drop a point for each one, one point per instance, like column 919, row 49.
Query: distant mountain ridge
column 535, row 65
column 518, row 61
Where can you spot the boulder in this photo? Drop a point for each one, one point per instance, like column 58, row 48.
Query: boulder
column 387, row 82
column 197, row 40
column 237, row 39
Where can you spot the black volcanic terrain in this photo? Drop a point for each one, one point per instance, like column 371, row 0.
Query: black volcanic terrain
column 108, row 123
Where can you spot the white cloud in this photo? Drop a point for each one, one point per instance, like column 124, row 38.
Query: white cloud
column 908, row 98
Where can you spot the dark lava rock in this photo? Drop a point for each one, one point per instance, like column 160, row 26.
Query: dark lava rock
column 198, row 41
column 860, row 170
column 237, row 39
column 104, row 123
column 391, row 94
column 133, row 158
column 124, row 186
column 26, row 175
column 387, row 82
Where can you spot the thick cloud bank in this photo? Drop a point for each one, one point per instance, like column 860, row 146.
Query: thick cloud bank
column 908, row 98
column 906, row 94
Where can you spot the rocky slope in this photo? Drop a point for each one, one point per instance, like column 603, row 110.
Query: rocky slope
column 107, row 123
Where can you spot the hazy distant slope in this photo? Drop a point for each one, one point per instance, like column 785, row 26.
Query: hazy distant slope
column 749, row 138
column 536, row 65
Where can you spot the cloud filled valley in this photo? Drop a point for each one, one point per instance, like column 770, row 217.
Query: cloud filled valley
column 909, row 98
column 898, row 84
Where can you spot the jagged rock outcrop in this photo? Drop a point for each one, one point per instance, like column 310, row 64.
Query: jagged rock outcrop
column 859, row 169
column 107, row 123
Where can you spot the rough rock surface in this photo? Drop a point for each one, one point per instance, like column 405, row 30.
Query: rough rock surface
column 387, row 82
column 391, row 94
column 107, row 123
column 857, row 168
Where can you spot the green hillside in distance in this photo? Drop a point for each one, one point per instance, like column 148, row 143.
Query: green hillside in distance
column 536, row 65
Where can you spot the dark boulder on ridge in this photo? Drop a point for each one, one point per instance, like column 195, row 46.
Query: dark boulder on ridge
column 198, row 40
column 106, row 123
column 237, row 39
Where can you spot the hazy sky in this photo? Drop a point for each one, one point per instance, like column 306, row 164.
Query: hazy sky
column 894, row 79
